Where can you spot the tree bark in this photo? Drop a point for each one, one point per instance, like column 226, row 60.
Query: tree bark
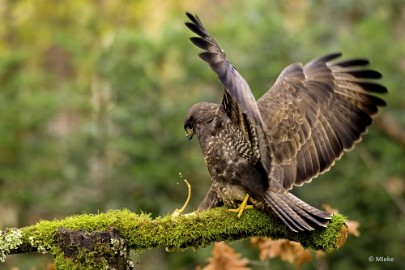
column 108, row 248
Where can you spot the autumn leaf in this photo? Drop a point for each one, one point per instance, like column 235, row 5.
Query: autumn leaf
column 352, row 227
column 225, row 258
column 286, row 250
column 268, row 248
column 329, row 209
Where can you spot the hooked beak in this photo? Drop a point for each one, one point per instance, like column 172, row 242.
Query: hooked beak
column 189, row 133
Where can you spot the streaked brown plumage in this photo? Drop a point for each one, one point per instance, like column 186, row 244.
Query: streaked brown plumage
column 294, row 132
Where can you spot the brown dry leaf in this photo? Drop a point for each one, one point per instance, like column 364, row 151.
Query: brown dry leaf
column 352, row 227
column 268, row 248
column 295, row 253
column 225, row 258
column 329, row 209
column 286, row 250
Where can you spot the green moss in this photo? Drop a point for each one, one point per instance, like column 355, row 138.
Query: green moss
column 83, row 261
column 141, row 231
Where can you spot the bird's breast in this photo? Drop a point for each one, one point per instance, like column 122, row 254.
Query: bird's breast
column 233, row 167
column 228, row 156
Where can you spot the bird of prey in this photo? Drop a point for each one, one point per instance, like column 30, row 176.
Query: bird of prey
column 257, row 151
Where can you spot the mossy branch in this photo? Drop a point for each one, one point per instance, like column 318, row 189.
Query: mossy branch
column 175, row 233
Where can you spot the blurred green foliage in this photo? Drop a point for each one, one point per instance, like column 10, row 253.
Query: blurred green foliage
column 93, row 95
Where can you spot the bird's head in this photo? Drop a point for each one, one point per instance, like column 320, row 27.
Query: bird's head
column 197, row 117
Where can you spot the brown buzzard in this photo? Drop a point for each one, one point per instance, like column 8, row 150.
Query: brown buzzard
column 257, row 151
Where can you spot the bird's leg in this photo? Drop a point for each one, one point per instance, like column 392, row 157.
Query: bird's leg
column 211, row 200
column 242, row 206
column 177, row 212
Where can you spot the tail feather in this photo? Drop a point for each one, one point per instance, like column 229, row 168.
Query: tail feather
column 279, row 213
column 296, row 214
column 306, row 211
column 288, row 215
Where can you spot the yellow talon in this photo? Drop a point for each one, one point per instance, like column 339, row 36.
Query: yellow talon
column 242, row 206
column 177, row 212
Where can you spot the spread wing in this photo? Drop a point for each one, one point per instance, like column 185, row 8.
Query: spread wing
column 238, row 100
column 314, row 113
